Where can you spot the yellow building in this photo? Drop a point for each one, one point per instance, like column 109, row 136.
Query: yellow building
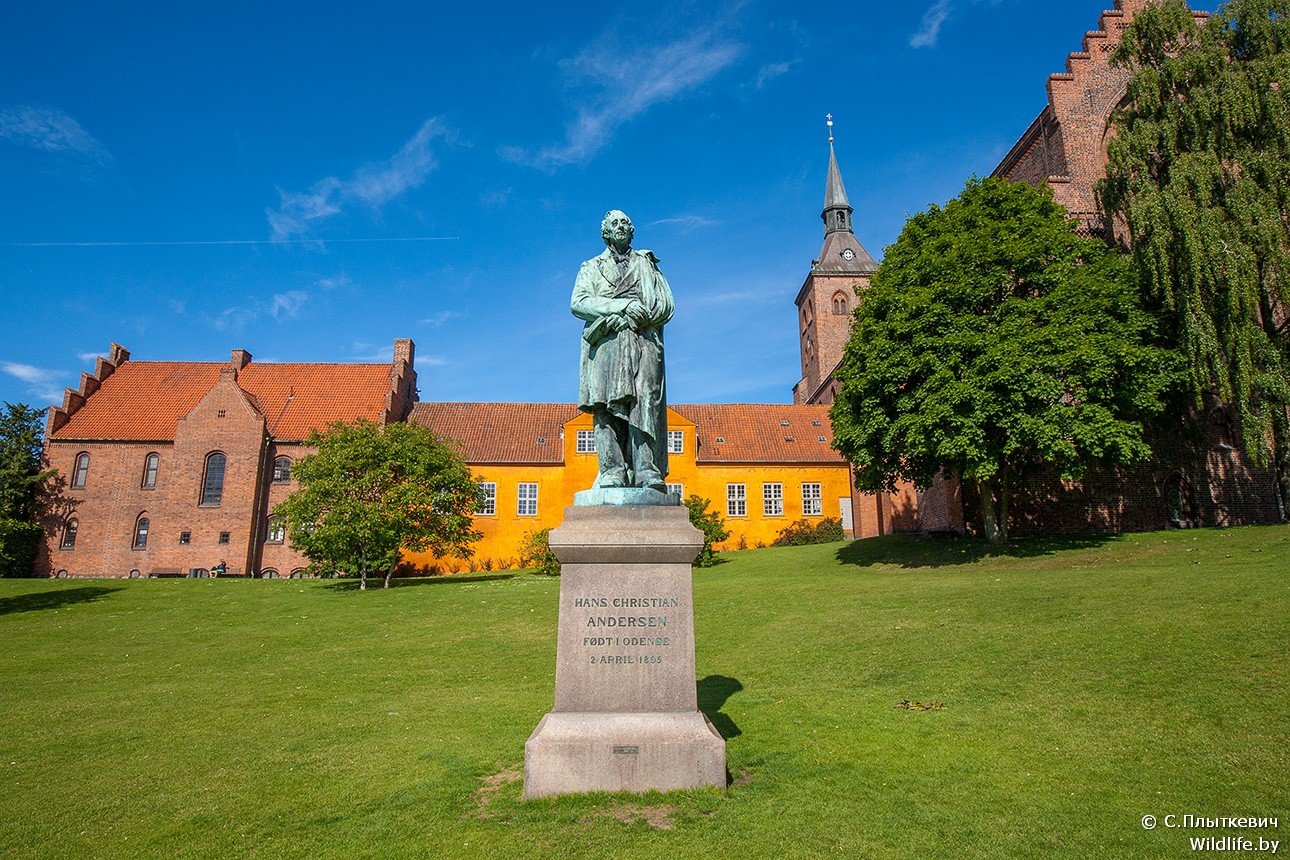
column 763, row 466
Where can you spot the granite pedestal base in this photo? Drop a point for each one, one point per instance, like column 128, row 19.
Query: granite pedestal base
column 626, row 715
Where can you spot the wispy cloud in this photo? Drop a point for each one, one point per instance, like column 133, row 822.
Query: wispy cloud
column 770, row 71
column 431, row 361
column 373, row 184
column 41, row 382
column 89, row 357
column 371, row 352
column 437, row 319
column 930, row 28
column 625, row 80
column 684, row 222
column 51, row 130
column 287, row 304
column 232, row 319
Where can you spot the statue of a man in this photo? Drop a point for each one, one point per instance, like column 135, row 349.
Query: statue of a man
column 625, row 301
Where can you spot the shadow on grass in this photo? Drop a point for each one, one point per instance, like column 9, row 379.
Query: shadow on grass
column 911, row 551
column 54, row 599
column 713, row 692
column 406, row 581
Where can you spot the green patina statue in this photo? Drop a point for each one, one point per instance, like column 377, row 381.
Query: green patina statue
column 625, row 302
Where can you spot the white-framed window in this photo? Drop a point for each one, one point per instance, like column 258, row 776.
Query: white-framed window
column 277, row 530
column 150, row 464
column 676, row 490
column 676, row 441
column 586, row 443
column 812, row 501
column 81, row 471
column 736, row 500
column 488, row 499
column 526, row 500
column 772, row 500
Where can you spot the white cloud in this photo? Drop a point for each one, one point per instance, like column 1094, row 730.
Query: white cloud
column 233, row 319
column 930, row 29
column 51, row 130
column 287, row 304
column 684, row 222
column 373, row 184
column 41, row 382
column 626, row 81
column 437, row 319
column 770, row 71
column 90, row 357
column 431, row 361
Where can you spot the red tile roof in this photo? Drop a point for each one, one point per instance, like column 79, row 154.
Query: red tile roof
column 762, row 433
column 750, row 432
column 142, row 400
column 500, row 432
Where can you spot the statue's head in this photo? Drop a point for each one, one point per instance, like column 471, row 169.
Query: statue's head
column 617, row 229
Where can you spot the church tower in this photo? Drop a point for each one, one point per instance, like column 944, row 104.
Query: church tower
column 828, row 296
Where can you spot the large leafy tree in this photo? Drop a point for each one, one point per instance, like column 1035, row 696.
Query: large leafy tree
column 995, row 342
column 1199, row 175
column 372, row 490
column 21, row 481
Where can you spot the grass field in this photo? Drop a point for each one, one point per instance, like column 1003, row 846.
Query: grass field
column 1084, row 683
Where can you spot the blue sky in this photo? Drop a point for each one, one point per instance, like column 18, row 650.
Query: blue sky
column 310, row 183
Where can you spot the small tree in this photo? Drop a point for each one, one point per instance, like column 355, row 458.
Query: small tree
column 1199, row 173
column 993, row 342
column 536, row 555
column 21, row 481
column 711, row 524
column 370, row 491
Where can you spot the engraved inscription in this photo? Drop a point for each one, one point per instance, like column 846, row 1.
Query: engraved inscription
column 623, row 639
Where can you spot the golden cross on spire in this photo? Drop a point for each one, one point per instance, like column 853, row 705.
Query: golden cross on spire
column 829, row 118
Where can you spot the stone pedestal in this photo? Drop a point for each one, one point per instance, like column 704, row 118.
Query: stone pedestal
column 626, row 716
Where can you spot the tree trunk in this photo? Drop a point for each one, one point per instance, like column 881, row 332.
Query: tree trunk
column 390, row 572
column 362, row 572
column 1005, row 494
column 989, row 511
column 1281, row 456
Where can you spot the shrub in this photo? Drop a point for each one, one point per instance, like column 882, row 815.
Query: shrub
column 535, row 553
column 803, row 532
column 18, row 544
column 713, row 526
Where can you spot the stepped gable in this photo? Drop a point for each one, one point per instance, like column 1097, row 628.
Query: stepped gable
column 500, row 432
column 762, row 433
column 1065, row 146
column 142, row 400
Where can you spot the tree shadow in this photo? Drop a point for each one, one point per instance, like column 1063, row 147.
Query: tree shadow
column 942, row 550
column 56, row 599
column 713, row 692
column 374, row 583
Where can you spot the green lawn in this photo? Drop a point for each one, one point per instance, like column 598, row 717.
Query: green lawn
column 1085, row 684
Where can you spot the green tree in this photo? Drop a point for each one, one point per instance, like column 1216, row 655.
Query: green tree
column 1199, row 175
column 536, row 555
column 370, row 491
column 995, row 342
column 21, row 482
column 713, row 526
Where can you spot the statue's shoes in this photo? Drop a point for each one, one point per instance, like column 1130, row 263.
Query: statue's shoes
column 613, row 479
column 652, row 481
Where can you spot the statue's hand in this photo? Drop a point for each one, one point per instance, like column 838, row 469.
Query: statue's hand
column 636, row 312
column 619, row 322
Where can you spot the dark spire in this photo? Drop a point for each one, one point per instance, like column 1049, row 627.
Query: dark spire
column 842, row 251
column 837, row 211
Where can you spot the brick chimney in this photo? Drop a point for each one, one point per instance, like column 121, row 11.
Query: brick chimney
column 404, row 351
column 241, row 358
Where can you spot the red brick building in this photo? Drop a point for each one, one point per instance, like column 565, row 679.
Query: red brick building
column 173, row 467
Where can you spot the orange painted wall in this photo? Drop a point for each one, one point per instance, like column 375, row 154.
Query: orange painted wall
column 505, row 530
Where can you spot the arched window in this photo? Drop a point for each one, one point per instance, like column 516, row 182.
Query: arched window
column 268, row 573
column 134, row 574
column 1221, row 431
column 840, row 305
column 277, row 530
column 150, row 464
column 81, row 472
column 141, row 532
column 298, row 573
column 213, row 481
column 69, row 535
column 281, row 470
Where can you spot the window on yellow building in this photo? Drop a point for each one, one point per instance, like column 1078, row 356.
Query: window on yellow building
column 812, row 501
column 772, row 500
column 736, row 500
column 586, row 443
column 488, row 499
column 675, row 441
column 526, row 501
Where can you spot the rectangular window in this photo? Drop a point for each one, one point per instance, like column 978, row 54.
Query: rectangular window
column 586, row 442
column 772, row 500
column 488, row 500
column 185, row 538
column 812, row 502
column 736, row 500
column 526, row 500
column 676, row 441
column 223, row 537
column 277, row 530
column 677, row 490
